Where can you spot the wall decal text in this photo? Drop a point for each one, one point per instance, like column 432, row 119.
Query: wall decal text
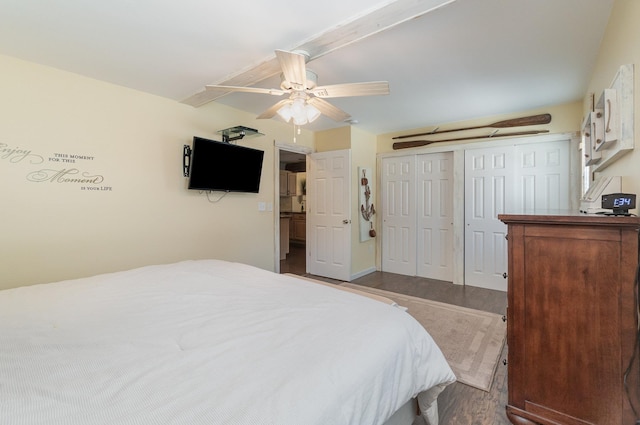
column 69, row 158
column 86, row 181
column 16, row 154
column 63, row 176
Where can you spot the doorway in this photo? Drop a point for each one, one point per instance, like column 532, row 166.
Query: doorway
column 292, row 207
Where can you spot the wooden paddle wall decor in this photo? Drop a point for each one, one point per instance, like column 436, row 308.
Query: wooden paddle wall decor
column 515, row 122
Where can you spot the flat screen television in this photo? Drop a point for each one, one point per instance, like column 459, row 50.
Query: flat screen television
column 224, row 167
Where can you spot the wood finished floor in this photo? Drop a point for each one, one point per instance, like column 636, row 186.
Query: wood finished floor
column 459, row 404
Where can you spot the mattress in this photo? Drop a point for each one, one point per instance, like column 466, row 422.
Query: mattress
column 208, row 342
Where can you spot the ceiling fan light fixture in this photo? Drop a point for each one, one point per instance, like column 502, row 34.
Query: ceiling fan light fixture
column 312, row 113
column 299, row 111
column 297, row 108
column 286, row 112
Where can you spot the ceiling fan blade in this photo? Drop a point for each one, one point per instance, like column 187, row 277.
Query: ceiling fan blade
column 214, row 87
column 294, row 68
column 363, row 26
column 373, row 88
column 328, row 109
column 273, row 110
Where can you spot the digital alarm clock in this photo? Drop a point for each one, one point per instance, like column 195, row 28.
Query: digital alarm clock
column 620, row 203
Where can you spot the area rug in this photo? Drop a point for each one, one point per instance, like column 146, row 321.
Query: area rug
column 471, row 340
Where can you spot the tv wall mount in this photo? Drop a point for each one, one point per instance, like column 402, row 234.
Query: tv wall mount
column 238, row 132
column 186, row 160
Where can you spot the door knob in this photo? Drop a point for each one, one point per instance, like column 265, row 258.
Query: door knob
column 346, row 221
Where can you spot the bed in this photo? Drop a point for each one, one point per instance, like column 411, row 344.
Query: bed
column 211, row 342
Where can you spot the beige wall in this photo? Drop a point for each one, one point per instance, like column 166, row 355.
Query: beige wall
column 53, row 230
column 621, row 46
column 333, row 140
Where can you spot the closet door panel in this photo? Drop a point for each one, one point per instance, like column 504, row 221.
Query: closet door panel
column 434, row 177
column 489, row 191
column 399, row 215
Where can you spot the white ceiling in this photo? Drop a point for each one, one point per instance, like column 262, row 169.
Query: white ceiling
column 466, row 59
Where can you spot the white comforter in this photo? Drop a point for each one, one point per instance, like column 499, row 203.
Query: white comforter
column 207, row 342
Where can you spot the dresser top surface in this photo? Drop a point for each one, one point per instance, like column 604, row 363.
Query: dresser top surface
column 570, row 218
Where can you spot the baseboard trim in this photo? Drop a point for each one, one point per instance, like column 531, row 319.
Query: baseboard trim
column 362, row 273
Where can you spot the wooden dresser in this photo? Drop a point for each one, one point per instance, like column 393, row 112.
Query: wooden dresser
column 572, row 319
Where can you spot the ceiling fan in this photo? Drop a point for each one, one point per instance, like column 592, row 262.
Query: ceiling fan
column 305, row 101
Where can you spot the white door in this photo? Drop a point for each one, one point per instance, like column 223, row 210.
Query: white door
column 509, row 179
column 434, row 177
column 329, row 214
column 542, row 176
column 489, row 189
column 398, row 215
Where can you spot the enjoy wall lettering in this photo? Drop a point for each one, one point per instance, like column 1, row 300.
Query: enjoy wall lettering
column 61, row 168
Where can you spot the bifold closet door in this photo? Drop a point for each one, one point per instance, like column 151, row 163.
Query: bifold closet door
column 417, row 215
column 434, row 195
column 489, row 190
column 399, row 215
column 516, row 179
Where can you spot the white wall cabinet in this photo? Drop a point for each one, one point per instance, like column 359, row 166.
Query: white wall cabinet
column 614, row 122
column 298, row 227
column 593, row 137
column 608, row 106
column 288, row 183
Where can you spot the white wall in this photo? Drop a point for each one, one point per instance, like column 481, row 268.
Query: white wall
column 53, row 230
